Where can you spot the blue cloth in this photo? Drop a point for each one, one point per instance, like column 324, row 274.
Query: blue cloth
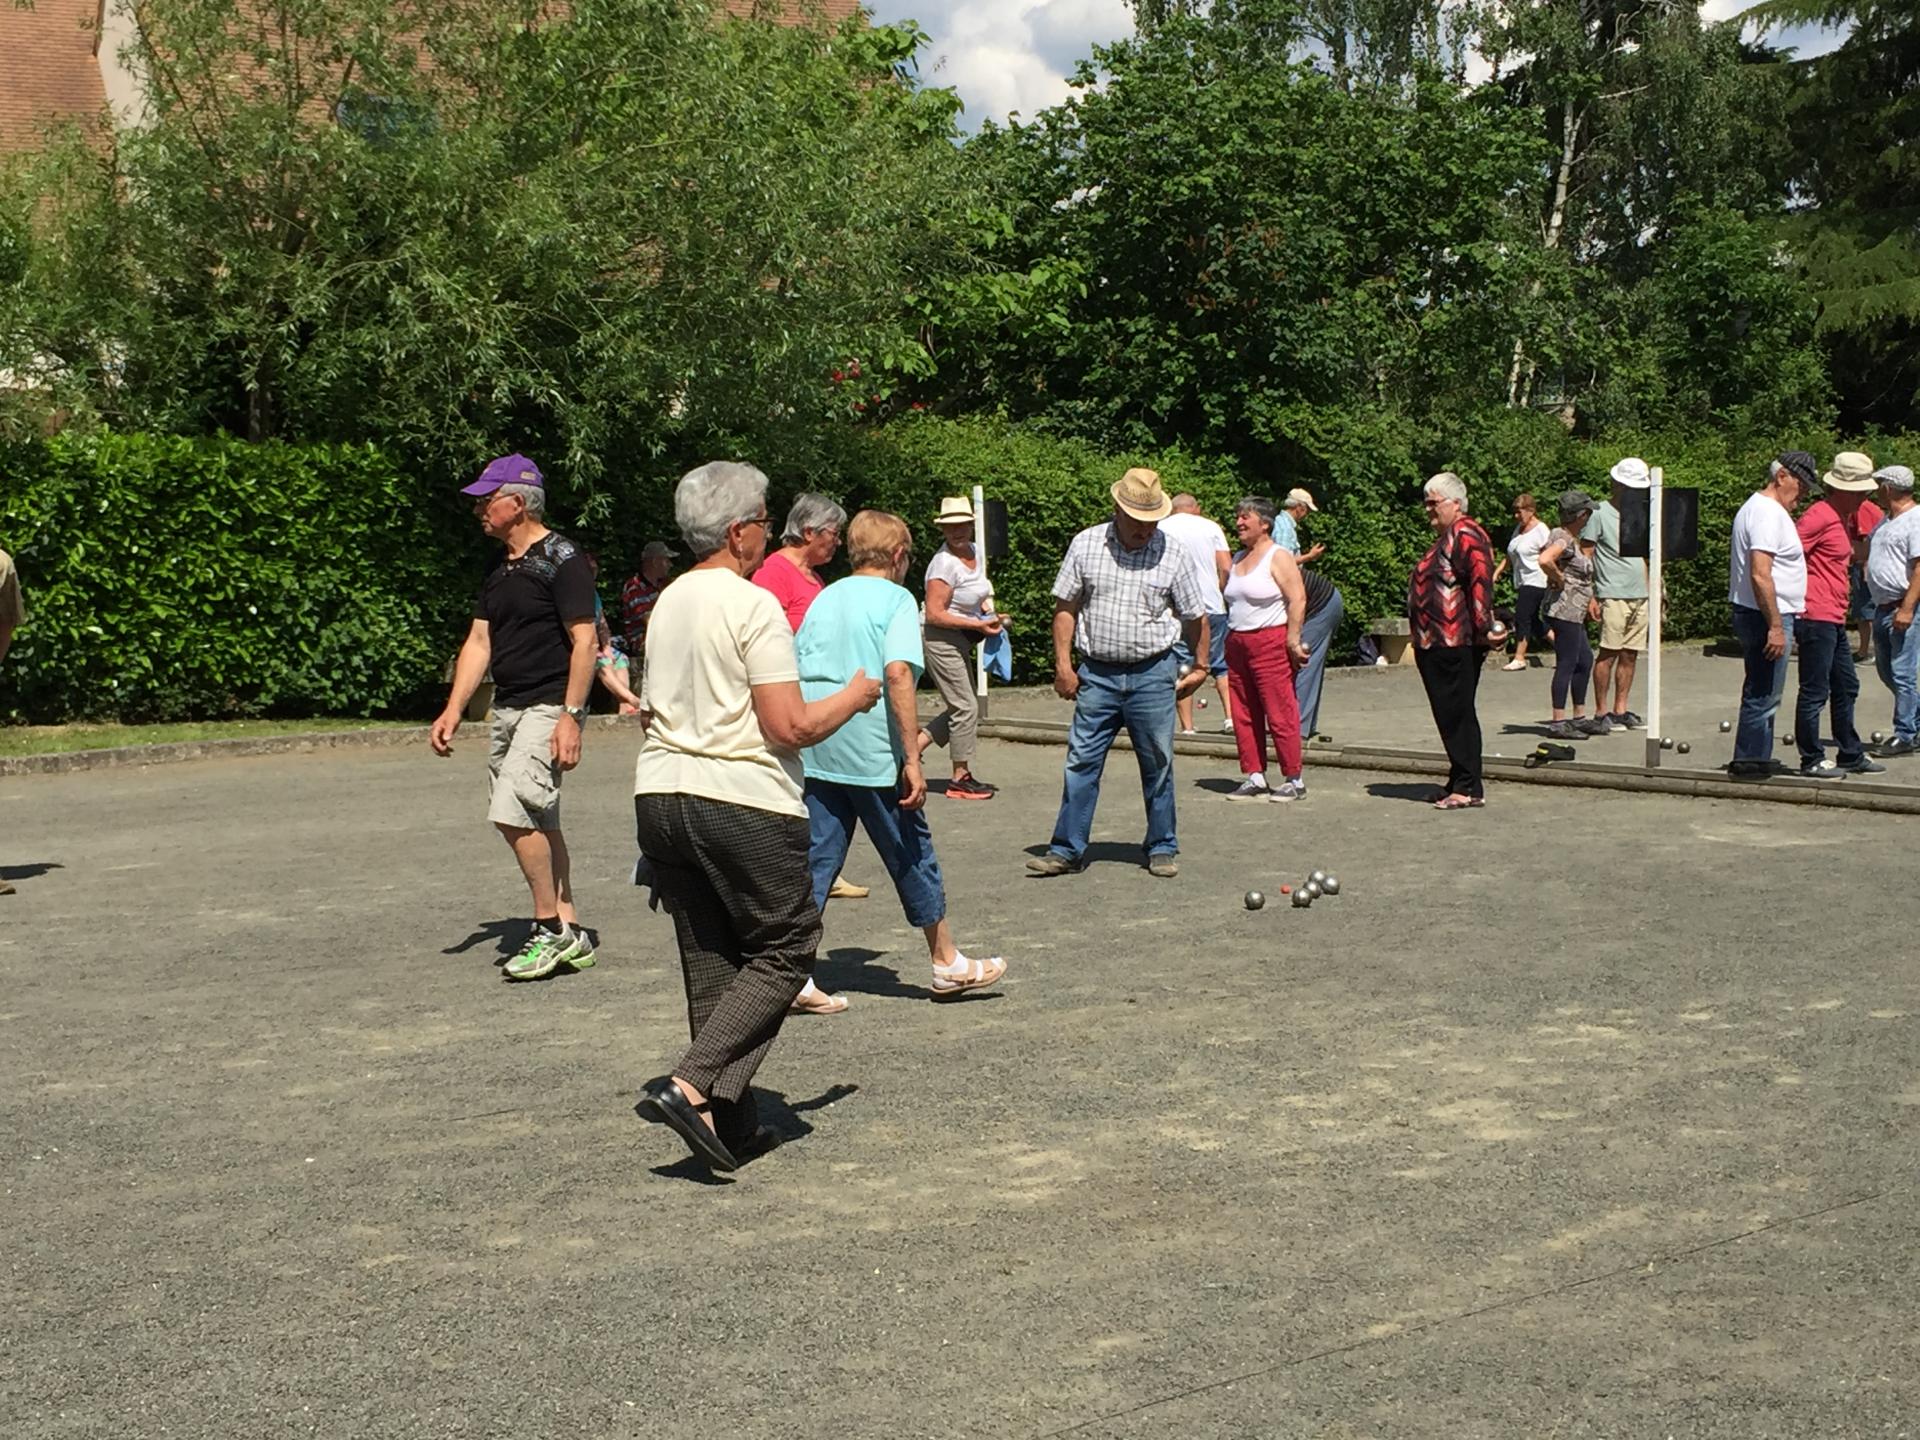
column 1140, row 697
column 901, row 836
column 1285, row 533
column 863, row 622
column 1896, row 656
column 1317, row 635
column 1216, row 646
column 1826, row 674
column 999, row 657
column 1765, row 682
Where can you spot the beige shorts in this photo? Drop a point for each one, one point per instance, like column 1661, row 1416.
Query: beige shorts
column 1623, row 624
column 523, row 781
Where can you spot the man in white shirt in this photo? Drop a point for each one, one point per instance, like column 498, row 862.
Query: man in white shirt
column 1767, row 587
column 1206, row 542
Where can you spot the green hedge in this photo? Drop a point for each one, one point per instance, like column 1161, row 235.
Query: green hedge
column 1366, row 472
column 183, row 579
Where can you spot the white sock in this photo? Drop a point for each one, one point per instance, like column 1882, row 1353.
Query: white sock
column 1257, row 777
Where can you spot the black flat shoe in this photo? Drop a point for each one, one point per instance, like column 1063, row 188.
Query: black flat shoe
column 672, row 1109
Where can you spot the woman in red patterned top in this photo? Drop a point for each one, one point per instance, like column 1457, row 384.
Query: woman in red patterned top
column 1450, row 610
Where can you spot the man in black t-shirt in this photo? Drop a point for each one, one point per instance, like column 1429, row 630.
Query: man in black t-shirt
column 533, row 623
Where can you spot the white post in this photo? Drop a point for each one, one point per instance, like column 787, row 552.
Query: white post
column 1656, row 544
column 980, row 556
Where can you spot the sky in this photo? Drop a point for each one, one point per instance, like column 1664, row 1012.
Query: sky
column 1015, row 55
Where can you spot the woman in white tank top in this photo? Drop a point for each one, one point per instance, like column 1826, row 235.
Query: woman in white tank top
column 1263, row 589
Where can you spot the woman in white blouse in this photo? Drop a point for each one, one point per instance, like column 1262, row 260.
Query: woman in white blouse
column 1530, row 534
column 959, row 615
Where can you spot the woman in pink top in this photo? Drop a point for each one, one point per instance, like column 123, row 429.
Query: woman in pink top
column 811, row 539
column 792, row 576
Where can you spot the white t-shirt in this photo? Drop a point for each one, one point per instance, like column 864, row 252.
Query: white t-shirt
column 1203, row 540
column 712, row 638
column 1890, row 555
column 1523, row 551
column 970, row 588
column 1764, row 524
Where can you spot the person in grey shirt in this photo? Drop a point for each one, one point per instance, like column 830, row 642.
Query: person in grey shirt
column 1124, row 594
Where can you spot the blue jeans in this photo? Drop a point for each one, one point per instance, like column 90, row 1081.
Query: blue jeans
column 1216, row 647
column 1897, row 658
column 1317, row 636
column 1140, row 697
column 1826, row 674
column 1766, row 681
column 901, row 836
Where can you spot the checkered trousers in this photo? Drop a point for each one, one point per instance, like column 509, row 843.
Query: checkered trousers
column 1131, row 601
column 735, row 881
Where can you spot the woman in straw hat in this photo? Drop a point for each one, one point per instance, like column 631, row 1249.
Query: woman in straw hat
column 959, row 615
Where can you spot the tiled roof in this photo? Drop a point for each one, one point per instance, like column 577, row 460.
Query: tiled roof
column 48, row 70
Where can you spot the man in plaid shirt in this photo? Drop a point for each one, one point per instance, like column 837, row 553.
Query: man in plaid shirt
column 1124, row 594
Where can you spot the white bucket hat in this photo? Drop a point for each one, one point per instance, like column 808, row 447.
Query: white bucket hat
column 955, row 510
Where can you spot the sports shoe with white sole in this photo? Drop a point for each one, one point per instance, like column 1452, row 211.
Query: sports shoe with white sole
column 546, row 951
column 1250, row 790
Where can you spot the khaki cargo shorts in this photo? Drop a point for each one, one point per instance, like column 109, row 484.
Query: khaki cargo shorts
column 1623, row 624
column 523, row 784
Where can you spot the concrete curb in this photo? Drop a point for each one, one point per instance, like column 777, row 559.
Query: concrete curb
column 1706, row 784
column 174, row 752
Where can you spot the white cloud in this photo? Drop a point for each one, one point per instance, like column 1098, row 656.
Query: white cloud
column 1007, row 56
column 1014, row 56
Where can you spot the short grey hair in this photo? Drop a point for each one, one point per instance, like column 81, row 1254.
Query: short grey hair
column 709, row 500
column 1446, row 486
column 1257, row 505
column 534, row 495
column 812, row 512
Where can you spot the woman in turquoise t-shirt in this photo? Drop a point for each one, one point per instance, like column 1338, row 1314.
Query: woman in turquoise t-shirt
column 869, row 770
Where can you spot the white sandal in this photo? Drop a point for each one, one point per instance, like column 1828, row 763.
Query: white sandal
column 967, row 975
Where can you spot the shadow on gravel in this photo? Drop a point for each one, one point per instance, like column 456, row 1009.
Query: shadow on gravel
column 1422, row 792
column 507, row 936
column 1106, row 852
column 32, row 870
column 774, row 1120
column 1217, row 784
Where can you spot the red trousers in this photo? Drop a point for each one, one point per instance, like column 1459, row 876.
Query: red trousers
column 1260, row 679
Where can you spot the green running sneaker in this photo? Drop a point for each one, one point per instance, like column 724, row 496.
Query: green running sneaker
column 546, row 952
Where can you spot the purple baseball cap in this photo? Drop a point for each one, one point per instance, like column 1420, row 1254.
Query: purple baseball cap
column 507, row 470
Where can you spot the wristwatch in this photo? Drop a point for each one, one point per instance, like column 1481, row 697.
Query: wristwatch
column 577, row 712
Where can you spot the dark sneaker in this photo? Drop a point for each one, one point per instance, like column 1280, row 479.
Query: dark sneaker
column 1823, row 770
column 968, row 789
column 1164, row 866
column 1627, row 720
column 1863, row 766
column 1597, row 725
column 1566, row 730
column 1052, row 864
column 1751, row 770
column 1250, row 790
column 1896, row 746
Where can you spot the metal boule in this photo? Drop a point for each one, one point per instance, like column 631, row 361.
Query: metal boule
column 1666, row 742
column 1786, row 739
column 1318, row 877
column 1330, row 885
column 1312, row 889
column 1685, row 748
column 1255, row 900
column 1725, row 726
column 1301, row 899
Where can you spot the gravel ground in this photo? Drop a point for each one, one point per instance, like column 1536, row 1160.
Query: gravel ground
column 1582, row 1115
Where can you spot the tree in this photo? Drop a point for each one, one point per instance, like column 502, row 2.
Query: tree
column 1855, row 128
column 633, row 229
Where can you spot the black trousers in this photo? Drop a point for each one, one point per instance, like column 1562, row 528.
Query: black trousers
column 1451, row 674
column 734, row 879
